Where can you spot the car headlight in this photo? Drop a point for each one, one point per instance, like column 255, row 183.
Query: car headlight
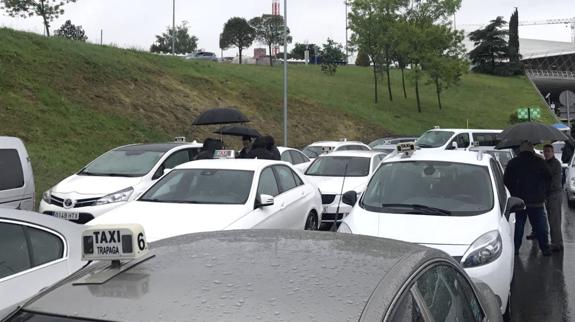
column 344, row 228
column 122, row 195
column 47, row 196
column 484, row 250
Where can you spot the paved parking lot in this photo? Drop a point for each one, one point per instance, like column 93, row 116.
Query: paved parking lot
column 544, row 287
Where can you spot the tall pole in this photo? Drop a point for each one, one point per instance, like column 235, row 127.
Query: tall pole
column 101, row 37
column 174, row 28
column 346, row 37
column 285, row 78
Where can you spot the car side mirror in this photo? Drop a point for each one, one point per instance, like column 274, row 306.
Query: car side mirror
column 349, row 198
column 514, row 204
column 264, row 201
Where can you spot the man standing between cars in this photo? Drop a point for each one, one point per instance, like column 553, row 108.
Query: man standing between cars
column 554, row 198
column 247, row 142
column 527, row 177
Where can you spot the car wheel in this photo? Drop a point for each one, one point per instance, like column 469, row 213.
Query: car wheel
column 311, row 222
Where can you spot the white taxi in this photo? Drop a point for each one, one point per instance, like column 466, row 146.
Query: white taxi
column 339, row 172
column 114, row 178
column 454, row 201
column 224, row 194
column 316, row 149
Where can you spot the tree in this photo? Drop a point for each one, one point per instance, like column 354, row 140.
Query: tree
column 363, row 21
column 237, row 33
column 184, row 43
column 270, row 31
column 331, row 55
column 47, row 9
column 298, row 51
column 491, row 48
column 362, row 59
column 426, row 23
column 514, row 37
column 70, row 31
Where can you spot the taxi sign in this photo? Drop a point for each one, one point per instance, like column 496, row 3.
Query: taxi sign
column 327, row 149
column 406, row 149
column 114, row 242
column 224, row 154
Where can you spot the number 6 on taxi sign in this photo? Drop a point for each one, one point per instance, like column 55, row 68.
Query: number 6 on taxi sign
column 114, row 242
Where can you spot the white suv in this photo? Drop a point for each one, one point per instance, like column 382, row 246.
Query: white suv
column 454, row 201
column 114, row 178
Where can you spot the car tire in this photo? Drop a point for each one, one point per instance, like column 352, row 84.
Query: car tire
column 311, row 222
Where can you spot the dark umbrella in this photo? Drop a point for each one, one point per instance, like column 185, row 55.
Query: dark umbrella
column 222, row 115
column 528, row 131
column 235, row 130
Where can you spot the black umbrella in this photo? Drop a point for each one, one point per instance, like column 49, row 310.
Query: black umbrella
column 235, row 130
column 528, row 131
column 222, row 115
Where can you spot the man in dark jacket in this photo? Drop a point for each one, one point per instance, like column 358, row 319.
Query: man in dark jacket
column 209, row 147
column 271, row 146
column 528, row 177
column 247, row 142
column 554, row 198
column 259, row 150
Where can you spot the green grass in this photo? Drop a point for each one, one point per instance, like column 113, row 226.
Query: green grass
column 72, row 101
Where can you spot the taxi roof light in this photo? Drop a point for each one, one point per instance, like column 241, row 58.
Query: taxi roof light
column 406, row 149
column 114, row 242
column 224, row 154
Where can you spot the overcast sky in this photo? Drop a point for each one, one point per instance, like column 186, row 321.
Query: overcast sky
column 134, row 23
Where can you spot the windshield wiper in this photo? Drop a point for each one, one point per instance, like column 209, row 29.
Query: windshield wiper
column 419, row 208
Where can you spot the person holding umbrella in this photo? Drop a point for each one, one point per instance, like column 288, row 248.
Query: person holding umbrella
column 528, row 177
column 247, row 143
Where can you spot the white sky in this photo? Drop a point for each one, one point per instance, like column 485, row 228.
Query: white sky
column 134, row 23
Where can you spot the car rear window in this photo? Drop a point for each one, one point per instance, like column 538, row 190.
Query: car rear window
column 11, row 172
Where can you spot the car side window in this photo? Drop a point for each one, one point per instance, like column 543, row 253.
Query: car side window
column 176, row 159
column 298, row 180
column 15, row 256
column 501, row 192
column 268, row 184
column 297, row 157
column 285, row 178
column 46, row 247
column 407, row 309
column 462, row 140
column 376, row 161
column 447, row 295
column 286, row 157
column 11, row 170
column 361, row 148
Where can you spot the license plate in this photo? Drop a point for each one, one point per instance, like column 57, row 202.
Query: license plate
column 67, row 215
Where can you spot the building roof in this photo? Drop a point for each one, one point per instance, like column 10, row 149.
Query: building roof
column 536, row 48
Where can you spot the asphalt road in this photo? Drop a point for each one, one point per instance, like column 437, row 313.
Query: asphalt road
column 544, row 287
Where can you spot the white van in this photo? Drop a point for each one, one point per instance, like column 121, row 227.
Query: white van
column 457, row 139
column 16, row 176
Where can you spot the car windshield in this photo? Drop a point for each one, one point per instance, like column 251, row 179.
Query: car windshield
column 123, row 163
column 335, row 166
column 378, row 142
column 312, row 151
column 202, row 186
column 433, row 139
column 429, row 188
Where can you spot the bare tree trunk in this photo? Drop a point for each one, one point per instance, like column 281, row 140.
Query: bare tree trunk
column 387, row 63
column 417, row 89
column 271, row 59
column 403, row 82
column 45, row 17
column 438, row 90
column 240, row 49
column 375, row 81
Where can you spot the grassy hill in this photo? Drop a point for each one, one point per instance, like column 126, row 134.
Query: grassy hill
column 71, row 101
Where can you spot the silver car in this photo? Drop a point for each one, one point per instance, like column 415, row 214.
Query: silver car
column 202, row 55
column 271, row 275
column 36, row 251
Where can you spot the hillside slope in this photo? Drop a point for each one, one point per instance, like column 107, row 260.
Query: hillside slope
column 71, row 101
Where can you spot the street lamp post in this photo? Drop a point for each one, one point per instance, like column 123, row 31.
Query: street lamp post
column 285, row 78
column 174, row 28
column 346, row 36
